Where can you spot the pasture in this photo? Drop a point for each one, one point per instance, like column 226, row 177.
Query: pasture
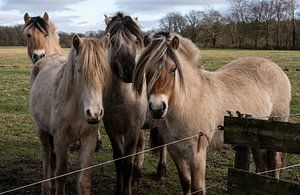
column 20, row 161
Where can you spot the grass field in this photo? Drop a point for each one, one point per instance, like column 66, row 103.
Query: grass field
column 20, row 161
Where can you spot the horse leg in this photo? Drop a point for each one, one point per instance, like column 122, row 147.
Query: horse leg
column 61, row 153
column 161, row 167
column 183, row 169
column 131, row 139
column 99, row 141
column 117, row 146
column 139, row 158
column 184, row 175
column 47, row 149
column 198, row 164
column 274, row 161
column 260, row 159
column 87, row 148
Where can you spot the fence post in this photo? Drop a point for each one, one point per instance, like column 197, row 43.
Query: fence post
column 242, row 158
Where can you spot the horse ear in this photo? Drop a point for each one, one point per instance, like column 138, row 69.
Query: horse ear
column 147, row 40
column 76, row 42
column 26, row 17
column 107, row 40
column 175, row 42
column 46, row 17
column 107, row 19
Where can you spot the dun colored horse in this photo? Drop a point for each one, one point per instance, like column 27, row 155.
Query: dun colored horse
column 124, row 113
column 66, row 104
column 191, row 100
column 42, row 38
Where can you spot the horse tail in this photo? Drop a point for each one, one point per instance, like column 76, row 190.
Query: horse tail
column 155, row 141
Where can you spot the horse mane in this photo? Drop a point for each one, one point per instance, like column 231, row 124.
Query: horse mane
column 47, row 28
column 39, row 23
column 154, row 57
column 121, row 27
column 93, row 66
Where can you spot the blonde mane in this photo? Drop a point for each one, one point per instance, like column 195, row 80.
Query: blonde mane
column 92, row 58
column 48, row 29
column 153, row 58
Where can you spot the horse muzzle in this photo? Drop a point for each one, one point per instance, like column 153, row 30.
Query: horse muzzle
column 158, row 112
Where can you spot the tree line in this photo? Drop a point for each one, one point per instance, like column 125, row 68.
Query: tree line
column 266, row 24
column 257, row 24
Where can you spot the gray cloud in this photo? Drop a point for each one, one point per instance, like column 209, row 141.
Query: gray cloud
column 37, row 5
column 160, row 5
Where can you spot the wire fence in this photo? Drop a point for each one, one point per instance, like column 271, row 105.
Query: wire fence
column 145, row 151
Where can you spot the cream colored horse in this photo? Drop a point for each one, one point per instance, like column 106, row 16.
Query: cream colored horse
column 66, row 104
column 190, row 99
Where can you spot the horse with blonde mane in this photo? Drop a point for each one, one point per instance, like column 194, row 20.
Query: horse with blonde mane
column 191, row 100
column 42, row 40
column 66, row 104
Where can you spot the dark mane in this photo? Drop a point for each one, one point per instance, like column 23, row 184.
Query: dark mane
column 37, row 22
column 121, row 25
column 153, row 59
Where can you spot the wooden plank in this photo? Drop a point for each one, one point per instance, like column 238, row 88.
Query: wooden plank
column 242, row 158
column 241, row 182
column 272, row 135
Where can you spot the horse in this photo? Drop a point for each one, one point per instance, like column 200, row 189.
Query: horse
column 189, row 100
column 42, row 40
column 66, row 105
column 124, row 113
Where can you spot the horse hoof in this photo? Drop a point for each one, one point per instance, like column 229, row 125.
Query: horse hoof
column 161, row 172
column 136, row 175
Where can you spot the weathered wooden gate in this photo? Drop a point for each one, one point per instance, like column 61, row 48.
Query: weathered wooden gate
column 246, row 133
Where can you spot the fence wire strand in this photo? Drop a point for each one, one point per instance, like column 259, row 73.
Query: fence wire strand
column 148, row 150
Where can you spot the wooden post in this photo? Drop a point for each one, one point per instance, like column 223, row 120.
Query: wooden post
column 242, row 158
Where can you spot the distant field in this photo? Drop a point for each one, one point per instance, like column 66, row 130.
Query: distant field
column 20, row 161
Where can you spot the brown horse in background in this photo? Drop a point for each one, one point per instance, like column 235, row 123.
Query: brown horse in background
column 124, row 113
column 42, row 40
column 191, row 100
column 66, row 105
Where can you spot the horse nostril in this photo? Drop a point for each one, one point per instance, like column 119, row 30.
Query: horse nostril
column 35, row 56
column 88, row 113
column 164, row 106
column 43, row 55
column 150, row 106
column 101, row 113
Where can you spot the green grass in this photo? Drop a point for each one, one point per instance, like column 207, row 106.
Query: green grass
column 21, row 164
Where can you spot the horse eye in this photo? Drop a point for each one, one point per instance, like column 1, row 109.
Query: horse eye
column 137, row 42
column 173, row 70
column 28, row 35
column 78, row 70
column 46, row 35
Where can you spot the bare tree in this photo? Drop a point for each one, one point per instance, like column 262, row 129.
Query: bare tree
column 212, row 25
column 194, row 20
column 173, row 22
column 237, row 14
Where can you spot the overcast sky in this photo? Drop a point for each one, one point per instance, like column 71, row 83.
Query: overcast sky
column 85, row 15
